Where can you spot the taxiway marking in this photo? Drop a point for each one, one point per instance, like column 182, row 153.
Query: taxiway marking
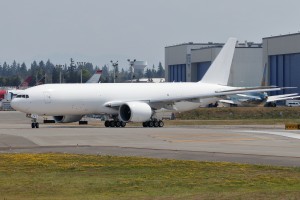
column 284, row 134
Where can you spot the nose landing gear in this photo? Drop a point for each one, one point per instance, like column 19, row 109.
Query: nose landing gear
column 34, row 123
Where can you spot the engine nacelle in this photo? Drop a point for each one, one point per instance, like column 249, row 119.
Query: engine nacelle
column 67, row 118
column 135, row 112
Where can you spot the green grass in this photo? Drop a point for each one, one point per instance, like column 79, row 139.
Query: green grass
column 241, row 113
column 65, row 176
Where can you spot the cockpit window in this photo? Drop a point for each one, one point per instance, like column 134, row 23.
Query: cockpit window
column 22, row 96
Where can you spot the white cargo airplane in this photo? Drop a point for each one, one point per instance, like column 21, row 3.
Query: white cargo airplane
column 128, row 102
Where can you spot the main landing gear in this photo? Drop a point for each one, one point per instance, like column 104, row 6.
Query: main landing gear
column 114, row 123
column 117, row 123
column 153, row 123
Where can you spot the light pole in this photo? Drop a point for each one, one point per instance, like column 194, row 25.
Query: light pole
column 114, row 64
column 131, row 64
column 60, row 67
column 81, row 64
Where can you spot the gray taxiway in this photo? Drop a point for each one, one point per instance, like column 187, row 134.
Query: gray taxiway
column 268, row 145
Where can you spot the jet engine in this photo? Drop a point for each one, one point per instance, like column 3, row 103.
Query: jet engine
column 135, row 112
column 67, row 118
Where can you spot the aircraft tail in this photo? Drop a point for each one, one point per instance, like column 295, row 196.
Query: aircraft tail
column 26, row 82
column 264, row 79
column 96, row 77
column 219, row 70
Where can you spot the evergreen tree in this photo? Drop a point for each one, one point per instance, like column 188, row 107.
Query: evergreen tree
column 105, row 74
column 5, row 69
column 23, row 70
column 55, row 74
column 153, row 72
column 34, row 71
column 148, row 74
column 13, row 69
column 89, row 67
column 160, row 71
column 85, row 75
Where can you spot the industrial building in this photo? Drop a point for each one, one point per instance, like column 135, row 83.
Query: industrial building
column 188, row 62
column 279, row 55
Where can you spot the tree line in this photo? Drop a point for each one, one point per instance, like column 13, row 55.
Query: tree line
column 46, row 72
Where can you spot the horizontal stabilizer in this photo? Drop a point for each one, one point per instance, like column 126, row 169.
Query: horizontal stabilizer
column 226, row 101
column 282, row 97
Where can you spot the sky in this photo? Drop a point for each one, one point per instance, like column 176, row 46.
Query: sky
column 99, row 31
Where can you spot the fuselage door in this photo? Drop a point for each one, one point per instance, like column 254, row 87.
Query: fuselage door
column 47, row 97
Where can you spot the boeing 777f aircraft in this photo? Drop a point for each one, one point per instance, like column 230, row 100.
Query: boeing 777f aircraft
column 128, row 102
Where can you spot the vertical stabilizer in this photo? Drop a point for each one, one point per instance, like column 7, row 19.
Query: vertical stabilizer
column 95, row 78
column 218, row 72
column 26, row 82
column 264, row 78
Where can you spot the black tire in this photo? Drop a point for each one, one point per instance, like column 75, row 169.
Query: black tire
column 145, row 124
column 118, row 124
column 37, row 125
column 112, row 124
column 161, row 123
column 106, row 123
column 123, row 124
column 156, row 124
column 32, row 125
column 150, row 124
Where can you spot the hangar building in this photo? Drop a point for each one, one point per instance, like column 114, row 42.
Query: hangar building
column 188, row 62
column 281, row 54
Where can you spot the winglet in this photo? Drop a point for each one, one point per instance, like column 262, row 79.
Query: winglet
column 218, row 72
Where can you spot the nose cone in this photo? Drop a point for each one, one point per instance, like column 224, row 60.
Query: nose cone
column 14, row 104
column 17, row 104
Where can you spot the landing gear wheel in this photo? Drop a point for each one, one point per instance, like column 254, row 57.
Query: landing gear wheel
column 118, row 123
column 123, row 124
column 35, row 125
column 156, row 124
column 150, row 124
column 112, row 124
column 106, row 123
column 160, row 123
column 145, row 124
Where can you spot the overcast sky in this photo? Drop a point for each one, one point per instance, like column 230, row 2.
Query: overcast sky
column 102, row 30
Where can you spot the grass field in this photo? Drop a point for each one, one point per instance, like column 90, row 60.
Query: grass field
column 65, row 176
column 241, row 113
